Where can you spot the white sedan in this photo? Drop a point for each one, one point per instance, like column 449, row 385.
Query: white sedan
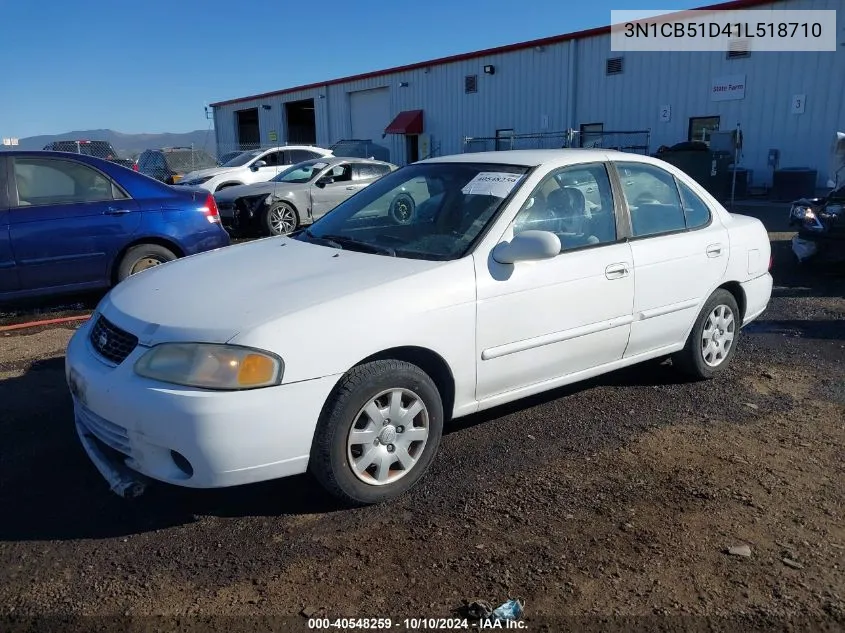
column 351, row 343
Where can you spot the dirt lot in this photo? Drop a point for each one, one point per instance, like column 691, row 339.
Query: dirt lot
column 608, row 505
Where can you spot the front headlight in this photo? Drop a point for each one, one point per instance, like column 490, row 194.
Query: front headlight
column 211, row 366
column 799, row 211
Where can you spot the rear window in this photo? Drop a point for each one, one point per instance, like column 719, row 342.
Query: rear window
column 189, row 160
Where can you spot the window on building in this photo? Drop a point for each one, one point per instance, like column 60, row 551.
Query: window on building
column 471, row 83
column 700, row 128
column 591, row 134
column 738, row 48
column 504, row 139
column 613, row 66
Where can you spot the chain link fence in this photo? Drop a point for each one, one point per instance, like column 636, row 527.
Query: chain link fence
column 636, row 141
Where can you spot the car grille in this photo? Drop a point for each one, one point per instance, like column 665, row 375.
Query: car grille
column 111, row 342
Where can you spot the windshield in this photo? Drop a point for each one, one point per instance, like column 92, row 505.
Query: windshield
column 301, row 172
column 425, row 211
column 242, row 159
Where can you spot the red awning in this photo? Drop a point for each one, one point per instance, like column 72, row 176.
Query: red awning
column 407, row 122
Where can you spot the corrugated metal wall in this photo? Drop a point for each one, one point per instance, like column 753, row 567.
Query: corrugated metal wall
column 528, row 93
column 683, row 80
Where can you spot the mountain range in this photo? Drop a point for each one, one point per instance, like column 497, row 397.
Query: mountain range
column 127, row 145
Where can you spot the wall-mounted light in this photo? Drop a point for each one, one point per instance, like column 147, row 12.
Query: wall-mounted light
column 322, row 96
column 489, row 69
column 403, row 84
column 266, row 107
column 539, row 49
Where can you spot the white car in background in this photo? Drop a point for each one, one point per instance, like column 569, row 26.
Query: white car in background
column 342, row 350
column 252, row 166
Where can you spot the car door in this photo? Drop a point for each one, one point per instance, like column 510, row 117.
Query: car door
column 538, row 321
column 67, row 222
column 8, row 272
column 680, row 250
column 275, row 162
column 332, row 188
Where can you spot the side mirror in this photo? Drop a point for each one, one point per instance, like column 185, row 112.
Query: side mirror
column 325, row 180
column 526, row 247
column 258, row 165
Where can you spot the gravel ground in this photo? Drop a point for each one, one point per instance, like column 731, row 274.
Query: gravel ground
column 607, row 505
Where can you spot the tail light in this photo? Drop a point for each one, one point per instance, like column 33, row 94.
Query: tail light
column 210, row 209
column 134, row 166
column 771, row 262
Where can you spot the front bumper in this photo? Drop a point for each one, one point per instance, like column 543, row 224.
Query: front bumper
column 189, row 437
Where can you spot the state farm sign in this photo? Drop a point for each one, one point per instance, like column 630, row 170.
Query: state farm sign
column 728, row 88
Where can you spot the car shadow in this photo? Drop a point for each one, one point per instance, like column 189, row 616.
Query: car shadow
column 649, row 373
column 51, row 491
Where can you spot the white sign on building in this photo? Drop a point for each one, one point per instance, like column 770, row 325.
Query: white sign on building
column 728, row 88
column 10, row 141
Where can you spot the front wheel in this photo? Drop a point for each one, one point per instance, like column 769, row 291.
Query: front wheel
column 280, row 219
column 712, row 341
column 378, row 432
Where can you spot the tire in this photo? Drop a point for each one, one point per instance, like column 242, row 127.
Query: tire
column 373, row 386
column 141, row 257
column 402, row 208
column 697, row 359
column 279, row 219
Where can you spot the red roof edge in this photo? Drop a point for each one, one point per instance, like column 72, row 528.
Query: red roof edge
column 554, row 39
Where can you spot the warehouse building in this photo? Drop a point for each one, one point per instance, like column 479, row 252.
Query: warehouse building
column 569, row 90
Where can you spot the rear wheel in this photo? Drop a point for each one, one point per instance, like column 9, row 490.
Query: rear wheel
column 141, row 257
column 712, row 341
column 378, row 433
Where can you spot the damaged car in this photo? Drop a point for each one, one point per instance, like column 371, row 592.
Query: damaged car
column 820, row 220
column 297, row 196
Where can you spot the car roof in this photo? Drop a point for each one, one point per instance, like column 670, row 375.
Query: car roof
column 535, row 157
column 45, row 153
column 333, row 160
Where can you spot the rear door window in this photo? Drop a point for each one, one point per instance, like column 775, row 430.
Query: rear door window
column 50, row 181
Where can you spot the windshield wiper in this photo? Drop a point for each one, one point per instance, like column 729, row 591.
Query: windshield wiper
column 328, row 241
column 342, row 240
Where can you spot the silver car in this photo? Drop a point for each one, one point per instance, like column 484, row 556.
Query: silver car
column 299, row 195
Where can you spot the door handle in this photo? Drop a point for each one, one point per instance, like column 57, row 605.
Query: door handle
column 114, row 211
column 616, row 271
column 714, row 250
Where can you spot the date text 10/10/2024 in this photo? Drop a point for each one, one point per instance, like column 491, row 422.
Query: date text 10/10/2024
column 410, row 624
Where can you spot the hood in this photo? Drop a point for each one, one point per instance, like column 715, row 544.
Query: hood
column 229, row 194
column 211, row 171
column 214, row 296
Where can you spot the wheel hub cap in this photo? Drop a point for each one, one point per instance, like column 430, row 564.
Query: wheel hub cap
column 387, row 437
column 388, row 434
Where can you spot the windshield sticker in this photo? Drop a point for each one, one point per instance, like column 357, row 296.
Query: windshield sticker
column 319, row 165
column 492, row 183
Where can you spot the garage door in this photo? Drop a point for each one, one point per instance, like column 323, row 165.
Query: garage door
column 370, row 110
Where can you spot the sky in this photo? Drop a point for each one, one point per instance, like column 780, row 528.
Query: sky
column 150, row 66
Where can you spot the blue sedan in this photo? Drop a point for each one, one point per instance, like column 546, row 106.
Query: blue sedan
column 70, row 223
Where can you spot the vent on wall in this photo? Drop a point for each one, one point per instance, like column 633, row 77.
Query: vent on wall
column 613, row 66
column 471, row 83
column 739, row 48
